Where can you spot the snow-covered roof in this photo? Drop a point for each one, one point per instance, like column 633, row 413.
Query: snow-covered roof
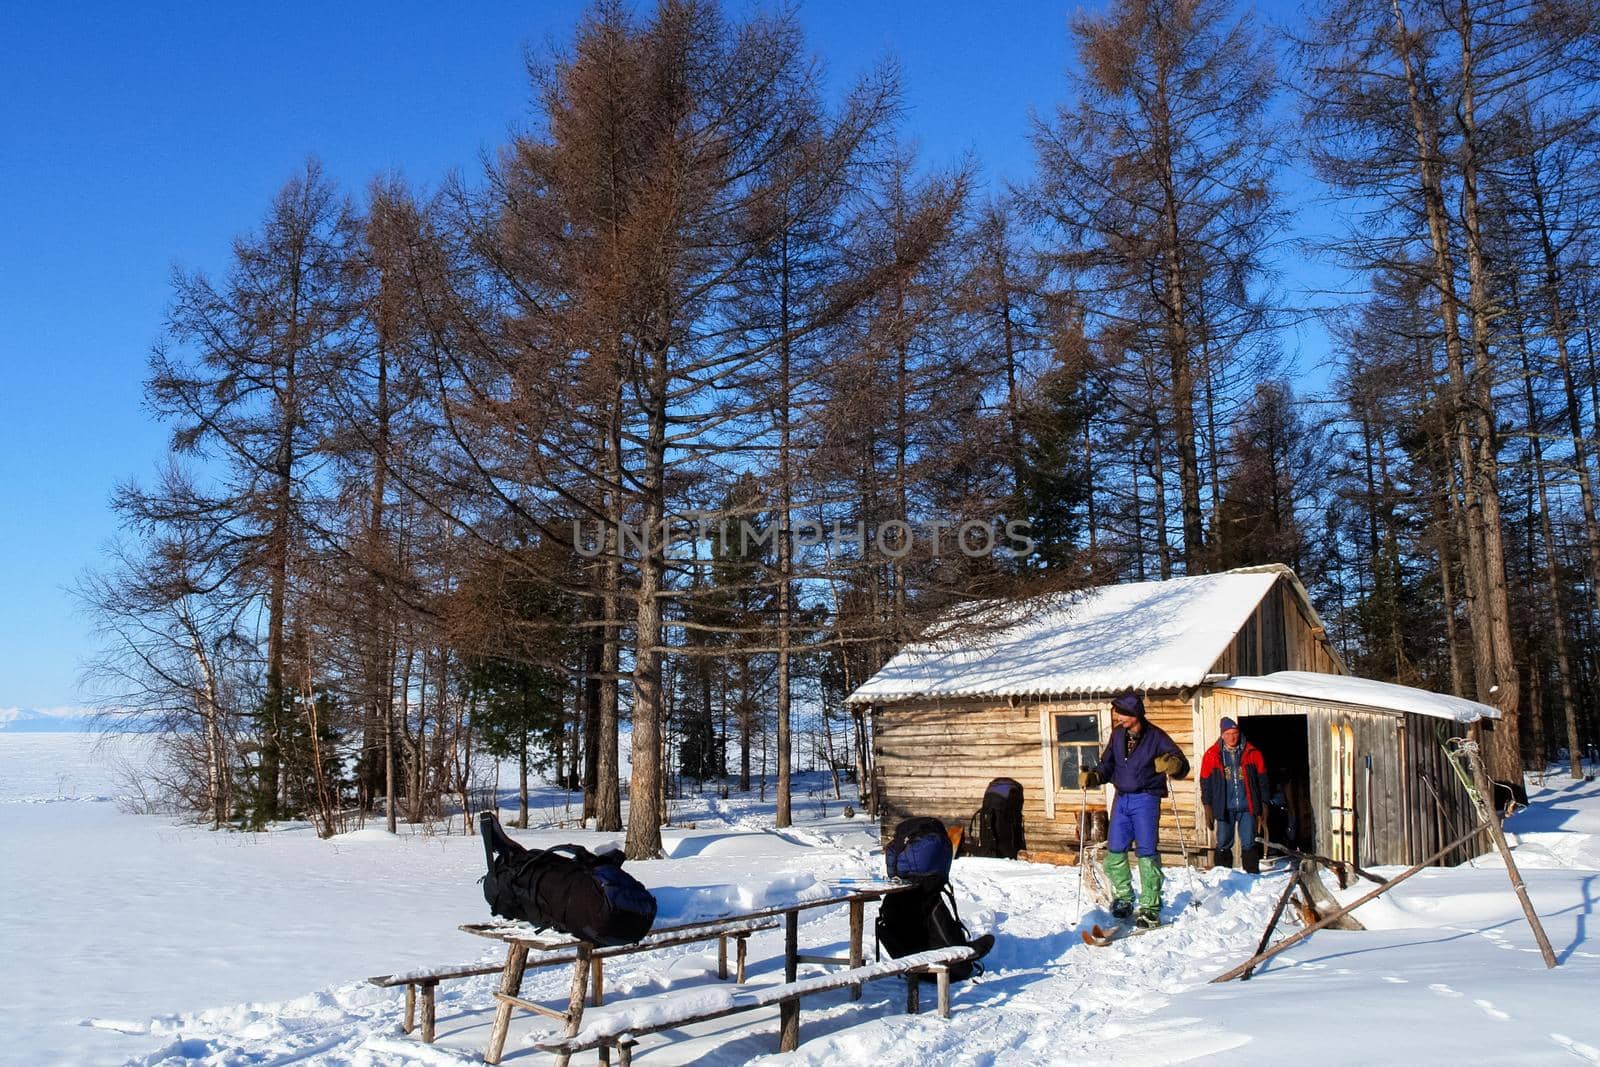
column 1142, row 635
column 1364, row 692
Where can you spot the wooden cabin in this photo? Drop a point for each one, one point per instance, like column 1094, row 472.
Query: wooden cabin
column 1023, row 689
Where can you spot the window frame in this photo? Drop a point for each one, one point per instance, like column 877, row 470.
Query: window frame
column 1067, row 793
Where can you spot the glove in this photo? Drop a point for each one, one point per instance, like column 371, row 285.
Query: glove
column 1169, row 765
column 1211, row 820
column 1088, row 779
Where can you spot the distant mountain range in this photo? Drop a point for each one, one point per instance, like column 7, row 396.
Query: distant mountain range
column 44, row 720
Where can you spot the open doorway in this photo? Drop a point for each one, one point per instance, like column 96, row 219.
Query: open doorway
column 1285, row 747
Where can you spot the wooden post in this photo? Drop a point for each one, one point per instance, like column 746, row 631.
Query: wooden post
column 511, row 985
column 743, row 948
column 857, row 922
column 942, row 972
column 597, row 990
column 791, row 945
column 1482, row 802
column 625, row 1053
column 789, row 1024
column 411, row 1008
column 912, row 1005
column 1272, row 923
column 580, row 985
column 722, row 957
column 1262, row 957
column 427, row 1011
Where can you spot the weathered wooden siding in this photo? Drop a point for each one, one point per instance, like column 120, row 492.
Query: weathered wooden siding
column 1439, row 810
column 1278, row 636
column 936, row 759
column 1404, row 816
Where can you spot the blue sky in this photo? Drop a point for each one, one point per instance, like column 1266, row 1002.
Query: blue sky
column 136, row 138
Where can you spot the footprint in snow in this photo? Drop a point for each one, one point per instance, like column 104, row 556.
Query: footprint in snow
column 1393, row 980
column 1577, row 1048
column 1490, row 1010
column 1443, row 990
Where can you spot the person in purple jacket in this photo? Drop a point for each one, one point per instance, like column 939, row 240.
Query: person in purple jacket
column 1137, row 761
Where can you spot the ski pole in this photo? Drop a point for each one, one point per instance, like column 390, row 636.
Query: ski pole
column 1083, row 815
column 1188, row 870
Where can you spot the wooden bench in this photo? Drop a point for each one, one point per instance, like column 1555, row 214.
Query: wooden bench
column 589, row 965
column 426, row 981
column 634, row 1019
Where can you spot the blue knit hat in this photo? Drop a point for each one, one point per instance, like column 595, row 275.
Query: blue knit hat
column 1229, row 724
column 1129, row 703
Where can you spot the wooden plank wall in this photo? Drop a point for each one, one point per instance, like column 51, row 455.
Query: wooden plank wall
column 936, row 759
column 1406, row 818
column 1278, row 636
column 1432, row 823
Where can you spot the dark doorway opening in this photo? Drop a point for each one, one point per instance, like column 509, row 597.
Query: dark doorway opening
column 1286, row 749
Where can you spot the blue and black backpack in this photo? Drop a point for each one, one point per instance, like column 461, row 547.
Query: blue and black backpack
column 926, row 917
column 920, row 852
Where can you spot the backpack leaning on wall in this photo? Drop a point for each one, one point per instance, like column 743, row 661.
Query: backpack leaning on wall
column 995, row 829
column 924, row 918
column 567, row 887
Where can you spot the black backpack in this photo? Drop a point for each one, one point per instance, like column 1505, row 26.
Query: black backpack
column 568, row 887
column 918, row 920
column 921, row 919
column 996, row 827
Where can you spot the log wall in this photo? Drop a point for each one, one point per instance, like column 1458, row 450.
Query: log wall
column 936, row 759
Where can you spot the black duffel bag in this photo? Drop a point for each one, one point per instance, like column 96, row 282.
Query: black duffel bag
column 566, row 887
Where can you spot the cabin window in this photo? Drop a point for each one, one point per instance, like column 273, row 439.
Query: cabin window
column 1077, row 745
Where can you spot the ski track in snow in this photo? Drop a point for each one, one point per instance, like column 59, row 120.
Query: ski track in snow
column 1446, row 971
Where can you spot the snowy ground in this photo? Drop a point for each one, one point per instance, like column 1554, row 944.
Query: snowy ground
column 128, row 938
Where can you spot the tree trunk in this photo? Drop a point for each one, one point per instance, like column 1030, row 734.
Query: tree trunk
column 1504, row 757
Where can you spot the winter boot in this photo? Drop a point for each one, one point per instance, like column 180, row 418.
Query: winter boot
column 1121, row 910
column 1250, row 860
column 1148, row 918
column 1222, row 857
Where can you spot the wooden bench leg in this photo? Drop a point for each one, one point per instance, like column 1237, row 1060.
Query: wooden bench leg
column 411, row 1008
column 913, row 1004
column 788, row 1024
column 580, row 985
column 857, row 921
column 510, row 984
column 742, row 949
column 597, row 983
column 722, row 957
column 625, row 1053
column 604, row 1053
column 943, row 975
column 791, row 945
column 427, row 1011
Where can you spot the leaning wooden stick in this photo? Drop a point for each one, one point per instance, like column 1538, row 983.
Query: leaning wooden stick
column 1480, row 790
column 1261, row 957
column 1272, row 923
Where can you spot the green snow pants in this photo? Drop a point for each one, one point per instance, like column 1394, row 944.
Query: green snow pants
column 1121, row 876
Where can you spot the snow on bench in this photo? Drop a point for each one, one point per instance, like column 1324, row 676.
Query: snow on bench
column 625, row 1023
column 564, row 950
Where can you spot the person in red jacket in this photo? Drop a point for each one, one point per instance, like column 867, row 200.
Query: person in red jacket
column 1233, row 788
